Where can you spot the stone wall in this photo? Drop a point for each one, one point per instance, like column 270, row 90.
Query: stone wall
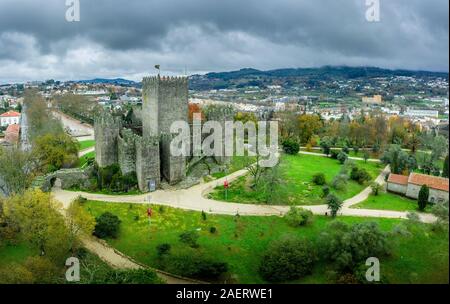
column 147, row 162
column 173, row 168
column 396, row 188
column 435, row 195
column 221, row 114
column 127, row 151
column 107, row 130
column 68, row 178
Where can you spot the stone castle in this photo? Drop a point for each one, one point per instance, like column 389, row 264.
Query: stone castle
column 164, row 100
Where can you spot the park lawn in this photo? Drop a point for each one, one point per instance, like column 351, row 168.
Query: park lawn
column 352, row 153
column 297, row 187
column 15, row 253
column 86, row 144
column 389, row 201
column 84, row 159
column 237, row 163
column 241, row 241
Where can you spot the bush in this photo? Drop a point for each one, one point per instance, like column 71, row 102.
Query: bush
column 213, row 229
column 290, row 146
column 287, row 260
column 132, row 276
column 163, row 249
column 334, row 154
column 107, row 225
column 342, row 157
column 195, row 266
column 334, row 204
column 359, row 175
column 319, row 179
column 347, row 246
column 190, row 238
column 297, row 217
column 339, row 182
column 424, row 194
column 325, row 191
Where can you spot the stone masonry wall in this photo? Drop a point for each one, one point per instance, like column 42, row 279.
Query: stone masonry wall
column 127, row 151
column 173, row 168
column 107, row 130
column 147, row 162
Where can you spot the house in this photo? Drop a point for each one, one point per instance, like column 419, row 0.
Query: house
column 12, row 134
column 9, row 118
column 410, row 186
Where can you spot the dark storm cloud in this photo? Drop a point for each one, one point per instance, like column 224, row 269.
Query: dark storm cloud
column 125, row 38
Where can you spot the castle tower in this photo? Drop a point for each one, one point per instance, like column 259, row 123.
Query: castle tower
column 107, row 130
column 127, row 151
column 147, row 162
column 165, row 100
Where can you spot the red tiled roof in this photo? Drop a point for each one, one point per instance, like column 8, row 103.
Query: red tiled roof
column 434, row 182
column 398, row 179
column 10, row 114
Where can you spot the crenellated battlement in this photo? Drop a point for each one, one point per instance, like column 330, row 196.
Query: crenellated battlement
column 152, row 81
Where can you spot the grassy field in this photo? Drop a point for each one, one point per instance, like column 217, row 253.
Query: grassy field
column 241, row 241
column 389, row 201
column 86, row 144
column 16, row 253
column 297, row 188
column 83, row 160
column 351, row 154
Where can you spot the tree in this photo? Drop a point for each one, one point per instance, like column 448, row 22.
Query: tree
column 445, row 172
column 79, row 222
column 376, row 187
column 334, row 204
column 41, row 222
column 398, row 159
column 342, row 157
column 287, row 259
column 439, row 147
column 298, row 217
column 366, row 156
column 309, row 125
column 424, row 193
column 15, row 171
column 326, row 144
column 56, row 151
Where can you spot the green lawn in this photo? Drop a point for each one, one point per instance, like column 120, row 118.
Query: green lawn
column 16, row 253
column 83, row 160
column 241, row 241
column 237, row 163
column 351, row 153
column 389, row 201
column 86, row 144
column 297, row 187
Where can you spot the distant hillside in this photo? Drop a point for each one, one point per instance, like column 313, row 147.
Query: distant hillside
column 116, row 81
column 249, row 76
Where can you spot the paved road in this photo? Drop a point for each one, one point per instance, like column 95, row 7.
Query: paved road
column 77, row 129
column 350, row 157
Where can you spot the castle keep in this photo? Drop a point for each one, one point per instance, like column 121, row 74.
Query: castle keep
column 165, row 100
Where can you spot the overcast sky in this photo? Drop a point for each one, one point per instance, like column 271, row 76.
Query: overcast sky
column 126, row 38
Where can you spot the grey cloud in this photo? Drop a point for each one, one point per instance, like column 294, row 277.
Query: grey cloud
column 210, row 35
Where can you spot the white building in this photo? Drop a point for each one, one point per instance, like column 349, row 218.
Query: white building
column 421, row 113
column 9, row 118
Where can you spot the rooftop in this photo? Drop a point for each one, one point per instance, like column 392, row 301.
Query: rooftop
column 398, row 179
column 434, row 182
column 10, row 114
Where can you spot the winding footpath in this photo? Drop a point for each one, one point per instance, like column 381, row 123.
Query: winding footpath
column 194, row 199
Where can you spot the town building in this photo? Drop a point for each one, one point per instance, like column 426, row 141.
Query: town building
column 9, row 118
column 12, row 134
column 410, row 186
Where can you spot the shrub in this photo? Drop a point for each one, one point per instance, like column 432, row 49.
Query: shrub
column 203, row 215
column 325, row 191
column 107, row 225
column 163, row 249
column 286, row 260
column 345, row 149
column 339, row 182
column 359, row 175
column 334, row 154
column 347, row 246
column 298, row 217
column 319, row 179
column 195, row 266
column 342, row 157
column 424, row 194
column 132, row 276
column 334, row 204
column 190, row 238
column 290, row 146
column 213, row 229
column 43, row 270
